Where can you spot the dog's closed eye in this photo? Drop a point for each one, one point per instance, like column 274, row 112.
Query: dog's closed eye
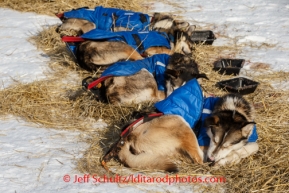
column 226, row 145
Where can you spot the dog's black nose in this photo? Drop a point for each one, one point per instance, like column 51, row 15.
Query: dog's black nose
column 212, row 163
column 58, row 29
column 209, row 160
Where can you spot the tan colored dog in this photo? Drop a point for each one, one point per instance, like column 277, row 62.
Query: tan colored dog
column 136, row 88
column 76, row 26
column 167, row 23
column 142, row 86
column 92, row 54
column 155, row 144
column 159, row 22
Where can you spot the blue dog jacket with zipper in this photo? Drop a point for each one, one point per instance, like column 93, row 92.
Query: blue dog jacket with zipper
column 140, row 41
column 155, row 64
column 103, row 18
column 188, row 102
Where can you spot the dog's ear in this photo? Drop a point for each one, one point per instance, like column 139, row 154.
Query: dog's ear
column 191, row 30
column 182, row 25
column 201, row 76
column 247, row 128
column 173, row 73
column 213, row 120
column 156, row 16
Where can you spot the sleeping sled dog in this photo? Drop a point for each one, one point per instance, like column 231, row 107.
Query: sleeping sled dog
column 80, row 24
column 152, row 144
column 92, row 54
column 229, row 128
column 170, row 72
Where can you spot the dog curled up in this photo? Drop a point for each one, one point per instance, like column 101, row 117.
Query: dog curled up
column 158, row 143
column 105, row 49
column 83, row 20
column 231, row 130
column 147, row 79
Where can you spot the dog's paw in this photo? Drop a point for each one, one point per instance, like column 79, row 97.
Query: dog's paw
column 232, row 158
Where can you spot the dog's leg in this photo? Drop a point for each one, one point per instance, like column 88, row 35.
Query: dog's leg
column 160, row 95
column 157, row 50
column 191, row 146
column 133, row 54
column 236, row 155
column 130, row 155
column 205, row 150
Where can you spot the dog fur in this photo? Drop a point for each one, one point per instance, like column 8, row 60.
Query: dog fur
column 155, row 143
column 92, row 54
column 81, row 26
column 167, row 23
column 229, row 128
column 142, row 86
column 160, row 22
column 181, row 68
column 136, row 88
column 77, row 26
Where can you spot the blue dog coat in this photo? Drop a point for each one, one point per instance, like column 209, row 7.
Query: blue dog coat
column 188, row 102
column 140, row 41
column 103, row 18
column 155, row 64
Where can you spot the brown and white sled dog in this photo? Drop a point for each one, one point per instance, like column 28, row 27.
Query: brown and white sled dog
column 92, row 54
column 167, row 23
column 229, row 128
column 142, row 86
column 153, row 144
column 159, row 22
column 75, row 27
column 136, row 88
column 157, row 143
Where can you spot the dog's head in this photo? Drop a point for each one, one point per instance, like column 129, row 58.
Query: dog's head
column 74, row 27
column 228, row 131
column 182, row 40
column 161, row 22
column 181, row 68
column 166, row 23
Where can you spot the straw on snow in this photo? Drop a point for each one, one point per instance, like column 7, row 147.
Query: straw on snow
column 51, row 103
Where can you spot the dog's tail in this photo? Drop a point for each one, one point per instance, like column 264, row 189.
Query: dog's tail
column 147, row 160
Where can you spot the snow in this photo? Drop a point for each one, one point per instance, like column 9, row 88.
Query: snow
column 244, row 23
column 35, row 159
column 19, row 58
